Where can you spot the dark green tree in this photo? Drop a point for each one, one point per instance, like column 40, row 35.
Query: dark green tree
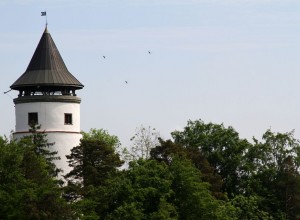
column 149, row 189
column 166, row 151
column 221, row 146
column 94, row 161
column 38, row 144
column 94, row 158
column 28, row 186
column 143, row 193
column 11, row 179
column 274, row 174
column 288, row 189
column 248, row 207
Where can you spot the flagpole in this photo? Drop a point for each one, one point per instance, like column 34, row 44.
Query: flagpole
column 44, row 13
column 46, row 19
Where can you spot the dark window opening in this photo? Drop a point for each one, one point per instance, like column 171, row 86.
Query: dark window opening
column 33, row 118
column 68, row 119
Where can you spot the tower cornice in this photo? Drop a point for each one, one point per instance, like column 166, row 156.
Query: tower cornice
column 47, row 98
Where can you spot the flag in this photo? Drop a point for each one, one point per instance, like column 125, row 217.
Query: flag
column 43, row 13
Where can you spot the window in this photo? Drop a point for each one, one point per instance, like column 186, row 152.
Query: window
column 33, row 118
column 68, row 119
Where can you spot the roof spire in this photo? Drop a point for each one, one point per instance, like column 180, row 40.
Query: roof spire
column 46, row 30
column 46, row 68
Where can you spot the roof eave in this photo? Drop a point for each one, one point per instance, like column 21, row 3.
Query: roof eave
column 28, row 86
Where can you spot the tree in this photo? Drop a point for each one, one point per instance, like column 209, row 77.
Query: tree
column 166, row 151
column 221, row 146
column 39, row 145
column 288, row 189
column 93, row 161
column 28, row 186
column 146, row 192
column 144, row 139
column 11, row 178
column 193, row 197
column 249, row 207
column 149, row 189
column 274, row 174
column 102, row 135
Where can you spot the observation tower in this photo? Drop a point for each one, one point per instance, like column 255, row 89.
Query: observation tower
column 47, row 97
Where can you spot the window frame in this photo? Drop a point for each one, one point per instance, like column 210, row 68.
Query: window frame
column 33, row 118
column 68, row 119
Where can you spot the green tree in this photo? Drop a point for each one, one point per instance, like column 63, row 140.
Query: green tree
column 288, row 189
column 193, row 197
column 94, row 158
column 39, row 146
column 149, row 189
column 166, row 151
column 249, row 208
column 93, row 161
column 102, row 135
column 147, row 186
column 11, row 179
column 221, row 146
column 274, row 174
column 28, row 186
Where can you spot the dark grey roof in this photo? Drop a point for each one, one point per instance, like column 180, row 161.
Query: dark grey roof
column 46, row 68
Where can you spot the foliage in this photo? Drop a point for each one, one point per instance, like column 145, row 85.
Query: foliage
column 221, row 146
column 93, row 161
column 101, row 135
column 38, row 143
column 94, row 158
column 149, row 189
column 167, row 150
column 189, row 178
column 248, row 207
column 149, row 185
column 28, row 187
column 275, row 174
column 192, row 196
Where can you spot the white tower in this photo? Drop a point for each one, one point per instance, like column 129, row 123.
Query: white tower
column 47, row 97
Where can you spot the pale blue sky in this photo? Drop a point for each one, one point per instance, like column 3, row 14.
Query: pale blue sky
column 230, row 61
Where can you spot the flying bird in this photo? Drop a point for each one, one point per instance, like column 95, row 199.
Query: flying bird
column 149, row 51
column 104, row 57
column 126, row 82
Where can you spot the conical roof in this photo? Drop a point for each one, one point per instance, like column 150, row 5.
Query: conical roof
column 46, row 68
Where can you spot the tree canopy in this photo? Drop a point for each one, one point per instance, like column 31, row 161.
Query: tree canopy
column 29, row 188
column 206, row 172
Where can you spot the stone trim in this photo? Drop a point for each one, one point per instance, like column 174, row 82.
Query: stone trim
column 28, row 132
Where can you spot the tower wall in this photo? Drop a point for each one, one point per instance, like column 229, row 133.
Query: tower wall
column 51, row 117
